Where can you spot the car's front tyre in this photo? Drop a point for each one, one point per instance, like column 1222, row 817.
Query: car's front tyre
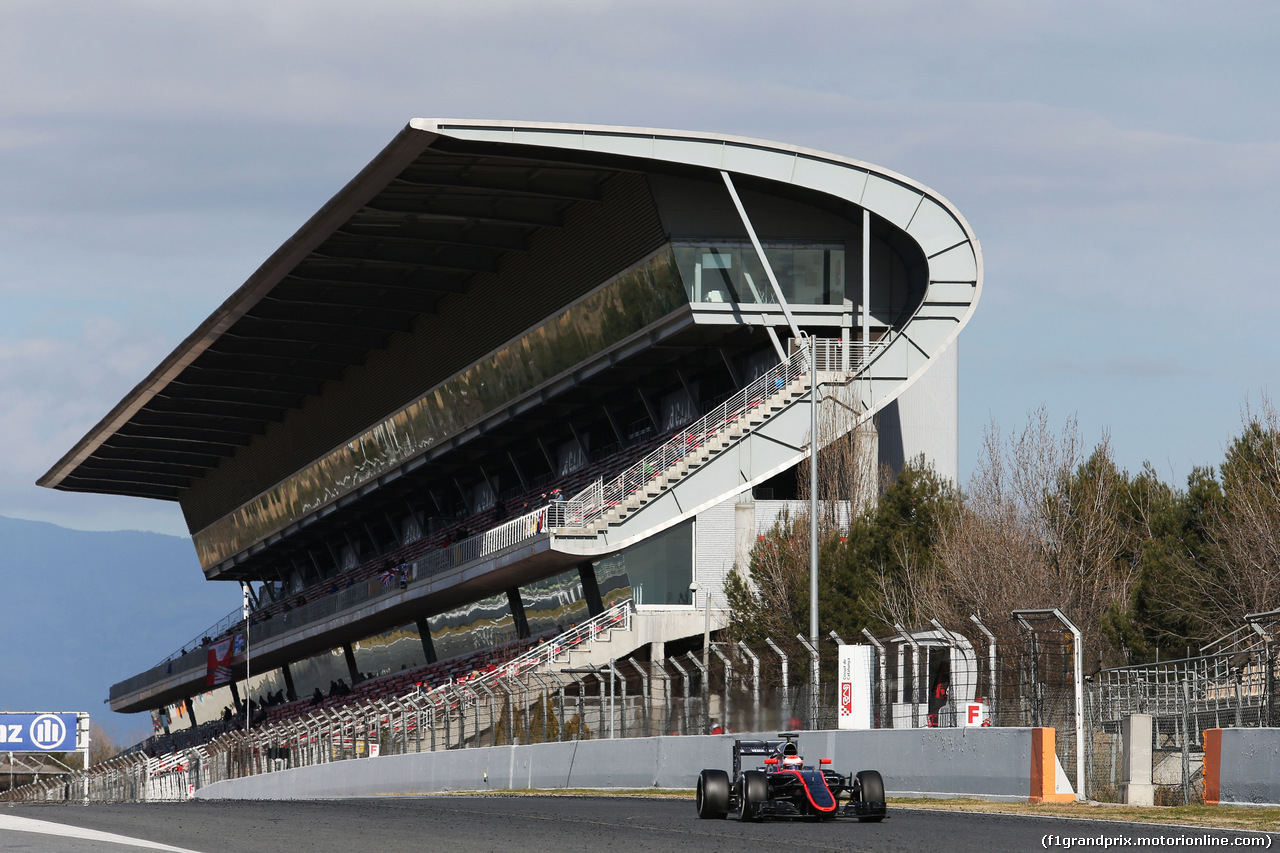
column 755, row 793
column 869, row 788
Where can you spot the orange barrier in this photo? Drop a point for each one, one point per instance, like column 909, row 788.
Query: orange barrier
column 1044, row 775
column 1212, row 766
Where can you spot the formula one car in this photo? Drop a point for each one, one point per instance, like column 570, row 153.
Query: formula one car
column 784, row 786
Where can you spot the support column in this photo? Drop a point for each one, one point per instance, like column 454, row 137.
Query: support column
column 1135, row 785
column 517, row 612
column 289, row 692
column 590, row 588
column 235, row 693
column 657, row 657
column 866, row 281
column 191, row 712
column 351, row 663
column 424, row 633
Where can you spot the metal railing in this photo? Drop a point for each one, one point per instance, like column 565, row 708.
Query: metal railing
column 736, row 411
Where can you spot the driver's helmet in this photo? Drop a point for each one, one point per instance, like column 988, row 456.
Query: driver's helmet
column 792, row 761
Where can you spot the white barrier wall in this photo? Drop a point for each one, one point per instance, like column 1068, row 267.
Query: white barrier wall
column 996, row 763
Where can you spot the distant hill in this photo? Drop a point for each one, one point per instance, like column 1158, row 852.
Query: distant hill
column 83, row 610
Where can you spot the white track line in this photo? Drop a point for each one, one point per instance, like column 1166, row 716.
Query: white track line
column 44, row 827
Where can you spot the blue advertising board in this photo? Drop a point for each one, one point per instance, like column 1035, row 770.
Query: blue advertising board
column 37, row 732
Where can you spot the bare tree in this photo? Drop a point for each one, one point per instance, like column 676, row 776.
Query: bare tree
column 849, row 477
column 1041, row 525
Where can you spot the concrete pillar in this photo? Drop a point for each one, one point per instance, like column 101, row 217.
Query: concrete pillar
column 351, row 664
column 289, row 693
column 191, row 712
column 1135, row 783
column 658, row 656
column 517, row 612
column 235, row 693
column 590, row 588
column 424, row 633
column 744, row 533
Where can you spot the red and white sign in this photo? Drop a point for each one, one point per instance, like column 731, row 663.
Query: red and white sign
column 222, row 655
column 975, row 714
column 855, row 675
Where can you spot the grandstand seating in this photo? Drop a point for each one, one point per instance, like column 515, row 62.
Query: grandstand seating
column 612, row 461
column 456, row 669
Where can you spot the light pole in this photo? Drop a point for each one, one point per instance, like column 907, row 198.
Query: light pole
column 813, row 492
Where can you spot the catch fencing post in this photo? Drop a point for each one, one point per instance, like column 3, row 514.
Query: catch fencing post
column 882, row 681
column 706, row 692
column 785, row 722
column 755, row 684
column 915, row 673
column 814, row 686
column 726, row 713
column 684, row 685
column 647, row 703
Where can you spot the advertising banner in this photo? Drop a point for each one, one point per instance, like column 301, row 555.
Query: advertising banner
column 854, row 677
column 38, row 732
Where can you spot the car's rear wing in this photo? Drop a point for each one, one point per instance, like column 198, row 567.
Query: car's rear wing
column 752, row 749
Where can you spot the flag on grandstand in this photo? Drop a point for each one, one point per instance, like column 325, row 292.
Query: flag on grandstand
column 218, row 670
column 223, row 654
column 388, row 577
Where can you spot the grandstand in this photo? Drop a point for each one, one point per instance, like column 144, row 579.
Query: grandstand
column 514, row 374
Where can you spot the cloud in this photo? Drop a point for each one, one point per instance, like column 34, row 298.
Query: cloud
column 52, row 390
column 1119, row 163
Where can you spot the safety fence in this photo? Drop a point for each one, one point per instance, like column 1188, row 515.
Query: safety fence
column 1024, row 669
column 925, row 677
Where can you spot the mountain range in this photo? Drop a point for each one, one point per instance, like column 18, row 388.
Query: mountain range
column 83, row 610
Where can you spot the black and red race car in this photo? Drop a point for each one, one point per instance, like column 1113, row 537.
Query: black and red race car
column 784, row 786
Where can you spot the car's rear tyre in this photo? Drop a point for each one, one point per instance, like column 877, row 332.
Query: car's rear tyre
column 870, row 788
column 713, row 794
column 755, row 793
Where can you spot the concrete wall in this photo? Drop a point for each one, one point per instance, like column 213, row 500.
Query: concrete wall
column 1242, row 767
column 991, row 762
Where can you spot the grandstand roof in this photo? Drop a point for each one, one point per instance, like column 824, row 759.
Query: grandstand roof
column 412, row 228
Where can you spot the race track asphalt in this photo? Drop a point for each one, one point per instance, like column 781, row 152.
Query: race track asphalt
column 535, row 823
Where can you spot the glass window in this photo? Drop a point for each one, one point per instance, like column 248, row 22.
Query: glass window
column 807, row 274
column 659, row 569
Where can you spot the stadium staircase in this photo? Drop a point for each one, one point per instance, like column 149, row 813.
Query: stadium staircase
column 756, row 433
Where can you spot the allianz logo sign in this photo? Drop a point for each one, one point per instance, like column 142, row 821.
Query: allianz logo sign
column 45, row 732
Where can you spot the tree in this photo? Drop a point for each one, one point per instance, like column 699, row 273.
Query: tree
column 1243, row 558
column 859, row 564
column 1043, row 524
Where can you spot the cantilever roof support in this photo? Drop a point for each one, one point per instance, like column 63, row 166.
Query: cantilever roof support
column 764, row 262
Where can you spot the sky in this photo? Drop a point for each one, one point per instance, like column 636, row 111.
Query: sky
column 1119, row 162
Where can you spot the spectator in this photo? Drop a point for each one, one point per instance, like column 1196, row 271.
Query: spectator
column 333, row 690
column 316, row 698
